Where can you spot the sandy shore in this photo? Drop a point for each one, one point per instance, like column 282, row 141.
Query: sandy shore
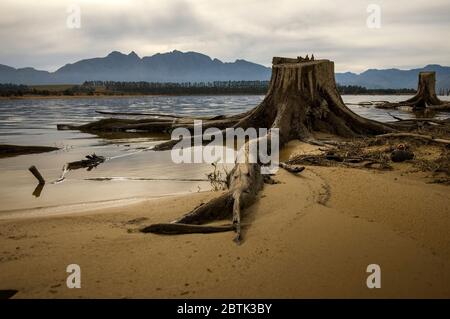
column 309, row 236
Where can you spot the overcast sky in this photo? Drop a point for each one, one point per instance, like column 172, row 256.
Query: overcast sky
column 413, row 33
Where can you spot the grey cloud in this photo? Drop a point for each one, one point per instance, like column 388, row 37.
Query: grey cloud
column 412, row 33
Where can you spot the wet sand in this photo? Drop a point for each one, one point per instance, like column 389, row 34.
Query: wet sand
column 309, row 236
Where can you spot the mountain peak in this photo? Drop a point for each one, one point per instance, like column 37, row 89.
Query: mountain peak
column 115, row 54
column 133, row 54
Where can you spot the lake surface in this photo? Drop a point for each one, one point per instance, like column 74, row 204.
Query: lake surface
column 33, row 122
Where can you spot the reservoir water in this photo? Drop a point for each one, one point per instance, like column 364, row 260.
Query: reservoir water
column 33, row 122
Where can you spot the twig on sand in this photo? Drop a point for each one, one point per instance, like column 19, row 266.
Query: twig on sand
column 33, row 169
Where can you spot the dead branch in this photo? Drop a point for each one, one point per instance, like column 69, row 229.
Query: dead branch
column 33, row 169
column 428, row 138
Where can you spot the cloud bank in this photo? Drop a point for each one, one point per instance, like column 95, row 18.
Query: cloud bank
column 412, row 33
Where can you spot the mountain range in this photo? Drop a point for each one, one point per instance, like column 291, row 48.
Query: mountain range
column 173, row 66
column 395, row 78
column 177, row 66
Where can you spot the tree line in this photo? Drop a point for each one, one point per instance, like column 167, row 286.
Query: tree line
column 92, row 88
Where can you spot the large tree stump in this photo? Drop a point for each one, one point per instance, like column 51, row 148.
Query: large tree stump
column 425, row 98
column 302, row 99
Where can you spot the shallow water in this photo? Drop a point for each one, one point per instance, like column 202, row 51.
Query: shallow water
column 33, row 122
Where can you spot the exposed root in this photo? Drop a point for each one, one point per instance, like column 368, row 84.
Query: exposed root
column 179, row 228
column 355, row 154
column 291, row 168
column 245, row 181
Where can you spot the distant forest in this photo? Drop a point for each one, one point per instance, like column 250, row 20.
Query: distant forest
column 98, row 88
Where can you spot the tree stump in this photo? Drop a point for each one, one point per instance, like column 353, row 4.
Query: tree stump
column 425, row 98
column 302, row 99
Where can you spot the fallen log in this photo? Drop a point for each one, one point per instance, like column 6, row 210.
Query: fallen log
column 138, row 114
column 161, row 115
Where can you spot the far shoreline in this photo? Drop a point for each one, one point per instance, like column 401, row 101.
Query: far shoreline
column 103, row 96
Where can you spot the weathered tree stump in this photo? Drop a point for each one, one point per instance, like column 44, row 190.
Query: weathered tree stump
column 302, row 99
column 425, row 98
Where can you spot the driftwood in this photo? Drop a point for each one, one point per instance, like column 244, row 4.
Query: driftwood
column 90, row 162
column 428, row 138
column 37, row 174
column 245, row 181
column 292, row 169
column 41, row 181
column 158, row 124
column 103, row 179
column 425, row 98
column 161, row 115
column 179, row 228
column 429, row 120
column 138, row 114
column 330, row 159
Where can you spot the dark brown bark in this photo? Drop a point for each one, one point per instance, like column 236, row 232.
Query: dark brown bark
column 303, row 99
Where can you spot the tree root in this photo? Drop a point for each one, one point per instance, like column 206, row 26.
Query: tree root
column 291, row 168
column 245, row 181
column 179, row 228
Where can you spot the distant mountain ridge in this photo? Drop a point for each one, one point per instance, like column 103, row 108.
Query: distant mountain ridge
column 177, row 66
column 394, row 78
